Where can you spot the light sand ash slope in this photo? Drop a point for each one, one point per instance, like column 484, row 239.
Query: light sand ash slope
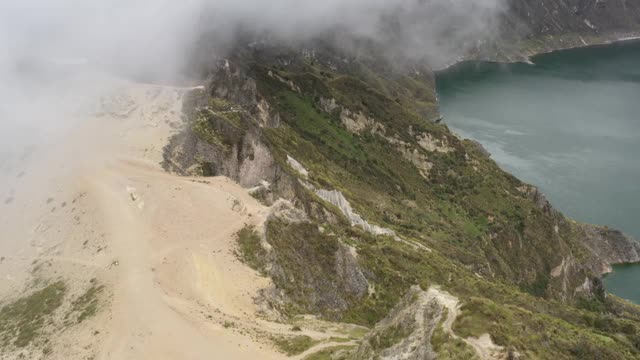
column 162, row 244
column 177, row 282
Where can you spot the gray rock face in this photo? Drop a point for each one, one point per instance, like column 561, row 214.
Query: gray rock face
column 237, row 150
column 406, row 332
column 541, row 201
column 553, row 17
column 317, row 274
column 610, row 246
column 346, row 267
column 297, row 167
column 337, row 199
column 244, row 158
column 531, row 27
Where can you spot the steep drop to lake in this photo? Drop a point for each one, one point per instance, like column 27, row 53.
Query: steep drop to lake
column 569, row 124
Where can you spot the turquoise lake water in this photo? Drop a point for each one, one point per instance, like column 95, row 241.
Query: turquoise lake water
column 569, row 124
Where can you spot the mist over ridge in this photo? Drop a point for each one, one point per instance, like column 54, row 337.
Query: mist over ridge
column 159, row 35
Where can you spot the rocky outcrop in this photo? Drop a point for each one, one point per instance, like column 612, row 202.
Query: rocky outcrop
column 336, row 198
column 541, row 201
column 297, row 167
column 610, row 246
column 230, row 151
column 284, row 210
column 223, row 136
column 313, row 272
column 605, row 247
column 347, row 267
column 407, row 331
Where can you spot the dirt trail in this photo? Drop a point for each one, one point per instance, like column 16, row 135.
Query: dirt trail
column 178, row 283
column 483, row 345
column 99, row 206
column 156, row 297
column 162, row 244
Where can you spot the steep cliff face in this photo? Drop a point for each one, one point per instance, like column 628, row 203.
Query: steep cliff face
column 550, row 17
column 530, row 27
column 387, row 199
column 611, row 246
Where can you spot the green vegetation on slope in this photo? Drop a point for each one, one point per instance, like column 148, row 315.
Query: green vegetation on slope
column 472, row 213
column 449, row 348
column 390, row 337
column 302, row 253
column 30, row 320
column 342, row 352
column 294, row 345
column 523, row 329
column 492, row 244
column 468, row 207
column 251, row 251
column 23, row 320
column 86, row 305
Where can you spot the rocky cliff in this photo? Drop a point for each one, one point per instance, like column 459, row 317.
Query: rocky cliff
column 611, row 246
column 530, row 27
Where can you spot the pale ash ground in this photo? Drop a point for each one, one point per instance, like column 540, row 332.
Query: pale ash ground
column 162, row 244
column 99, row 205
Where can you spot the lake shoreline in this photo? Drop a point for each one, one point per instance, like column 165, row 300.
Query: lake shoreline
column 463, row 78
column 529, row 59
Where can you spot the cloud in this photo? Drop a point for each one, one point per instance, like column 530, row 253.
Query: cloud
column 157, row 35
column 436, row 31
column 47, row 47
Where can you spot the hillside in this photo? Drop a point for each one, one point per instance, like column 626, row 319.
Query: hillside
column 379, row 198
column 306, row 202
column 530, row 27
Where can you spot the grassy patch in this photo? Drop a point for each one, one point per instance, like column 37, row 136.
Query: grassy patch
column 86, row 305
column 358, row 333
column 338, row 339
column 24, row 319
column 390, row 337
column 517, row 327
column 294, row 345
column 468, row 209
column 342, row 352
column 251, row 250
column 449, row 348
column 203, row 129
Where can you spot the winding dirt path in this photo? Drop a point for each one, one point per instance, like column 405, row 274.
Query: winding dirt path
column 163, row 245
column 98, row 206
column 483, row 345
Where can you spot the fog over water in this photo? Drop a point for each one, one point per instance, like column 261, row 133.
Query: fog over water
column 569, row 124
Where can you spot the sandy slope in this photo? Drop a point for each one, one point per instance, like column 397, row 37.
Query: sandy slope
column 177, row 278
column 162, row 244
